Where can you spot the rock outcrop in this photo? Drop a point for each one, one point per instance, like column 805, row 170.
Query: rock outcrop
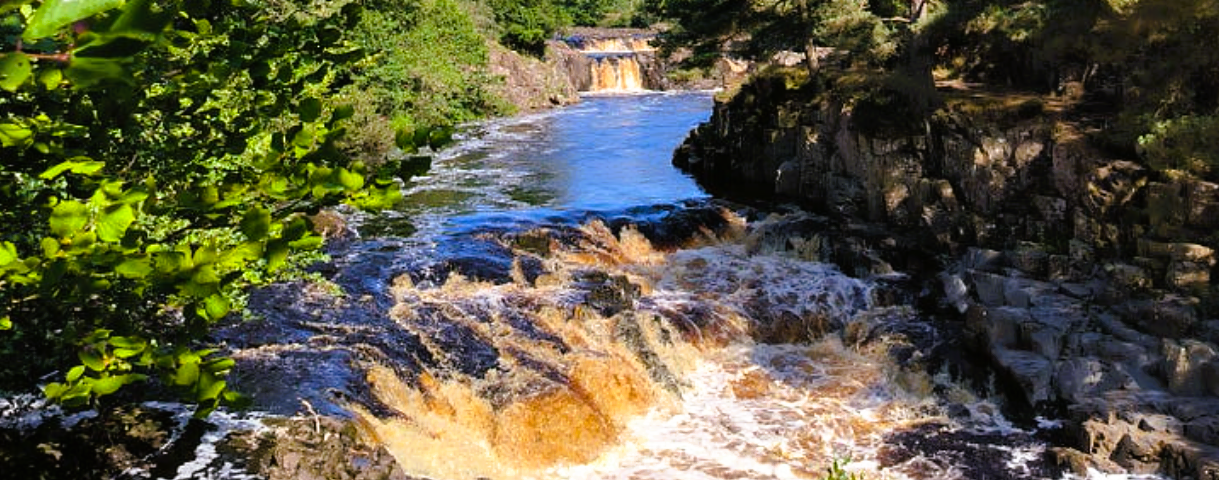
column 1086, row 281
column 531, row 84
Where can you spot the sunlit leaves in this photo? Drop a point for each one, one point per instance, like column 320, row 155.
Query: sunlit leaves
column 50, row 78
column 219, row 135
column 78, row 165
column 112, row 223
column 8, row 253
column 55, row 14
column 15, row 69
column 14, row 134
column 68, row 217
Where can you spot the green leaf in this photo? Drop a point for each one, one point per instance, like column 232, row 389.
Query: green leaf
column 15, row 69
column 205, row 255
column 6, row 323
column 75, row 373
column 134, row 268
column 50, row 78
column 309, row 242
column 216, row 307
column 256, row 223
column 170, row 262
column 91, row 359
column 205, row 275
column 87, row 72
column 108, row 385
column 342, row 112
column 276, row 255
column 54, row 390
column 135, row 195
column 78, row 165
column 141, row 18
column 50, row 247
column 297, row 228
column 8, row 253
column 127, row 352
column 310, row 109
column 241, row 254
column 56, row 14
column 187, row 374
column 14, row 135
column 77, row 395
column 303, row 138
column 82, row 241
column 127, row 342
column 68, row 218
column 114, row 221
column 349, row 180
column 209, row 387
column 219, row 365
column 421, row 137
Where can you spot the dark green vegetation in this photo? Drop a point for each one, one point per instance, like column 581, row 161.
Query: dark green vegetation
column 159, row 157
column 1144, row 74
column 526, row 24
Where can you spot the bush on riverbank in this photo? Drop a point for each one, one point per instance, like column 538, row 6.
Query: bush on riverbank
column 160, row 157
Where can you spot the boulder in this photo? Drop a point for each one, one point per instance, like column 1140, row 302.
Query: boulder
column 1182, row 368
column 1032, row 372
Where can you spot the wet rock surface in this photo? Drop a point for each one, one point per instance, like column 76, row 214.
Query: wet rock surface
column 974, row 455
column 310, row 448
column 86, row 446
column 1085, row 281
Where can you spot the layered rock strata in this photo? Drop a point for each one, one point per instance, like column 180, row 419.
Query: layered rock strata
column 1086, row 281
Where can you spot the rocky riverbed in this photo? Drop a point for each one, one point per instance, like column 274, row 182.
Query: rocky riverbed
column 1087, row 280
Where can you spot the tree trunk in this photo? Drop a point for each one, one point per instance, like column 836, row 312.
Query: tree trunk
column 810, row 57
column 810, row 44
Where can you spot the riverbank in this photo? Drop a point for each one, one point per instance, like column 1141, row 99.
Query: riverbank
column 1084, row 278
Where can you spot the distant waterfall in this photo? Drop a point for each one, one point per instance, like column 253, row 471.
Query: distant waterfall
column 616, row 63
column 616, row 74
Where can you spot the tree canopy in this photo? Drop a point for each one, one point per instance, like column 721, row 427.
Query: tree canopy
column 158, row 158
column 1149, row 64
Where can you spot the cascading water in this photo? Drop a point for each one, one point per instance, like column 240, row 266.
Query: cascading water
column 602, row 329
column 616, row 74
column 615, row 65
column 565, row 305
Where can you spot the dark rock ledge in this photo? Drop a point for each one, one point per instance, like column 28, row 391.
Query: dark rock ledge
column 1087, row 282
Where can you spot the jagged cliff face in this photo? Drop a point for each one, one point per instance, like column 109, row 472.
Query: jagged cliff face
column 531, row 84
column 1084, row 280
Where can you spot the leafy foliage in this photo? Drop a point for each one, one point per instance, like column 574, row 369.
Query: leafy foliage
column 426, row 67
column 527, row 24
column 1150, row 64
column 159, row 157
column 757, row 29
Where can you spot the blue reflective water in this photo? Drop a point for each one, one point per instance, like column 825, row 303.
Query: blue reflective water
column 606, row 154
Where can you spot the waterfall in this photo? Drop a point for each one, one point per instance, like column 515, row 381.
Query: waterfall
column 616, row 74
column 616, row 63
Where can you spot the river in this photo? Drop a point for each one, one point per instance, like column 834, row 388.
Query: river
column 706, row 342
column 555, row 301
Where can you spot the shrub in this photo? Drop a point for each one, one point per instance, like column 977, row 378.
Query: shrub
column 157, row 159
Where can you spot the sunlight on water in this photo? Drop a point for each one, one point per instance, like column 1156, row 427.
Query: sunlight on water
column 764, row 411
column 670, row 387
